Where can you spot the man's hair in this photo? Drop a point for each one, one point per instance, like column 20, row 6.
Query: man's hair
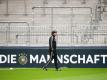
column 53, row 32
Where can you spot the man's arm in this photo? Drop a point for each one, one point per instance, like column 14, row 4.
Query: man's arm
column 51, row 43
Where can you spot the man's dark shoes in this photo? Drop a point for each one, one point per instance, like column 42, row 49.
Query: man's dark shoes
column 58, row 69
column 45, row 69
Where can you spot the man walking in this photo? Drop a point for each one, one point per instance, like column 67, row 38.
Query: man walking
column 52, row 50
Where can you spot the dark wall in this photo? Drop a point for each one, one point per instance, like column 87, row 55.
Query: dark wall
column 27, row 51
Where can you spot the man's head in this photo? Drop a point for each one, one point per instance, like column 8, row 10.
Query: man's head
column 54, row 33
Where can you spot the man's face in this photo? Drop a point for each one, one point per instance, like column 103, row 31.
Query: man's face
column 55, row 34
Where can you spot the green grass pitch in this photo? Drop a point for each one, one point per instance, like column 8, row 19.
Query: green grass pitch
column 51, row 74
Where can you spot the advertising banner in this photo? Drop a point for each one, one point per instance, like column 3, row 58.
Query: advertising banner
column 72, row 57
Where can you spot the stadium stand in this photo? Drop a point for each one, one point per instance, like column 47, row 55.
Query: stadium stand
column 29, row 22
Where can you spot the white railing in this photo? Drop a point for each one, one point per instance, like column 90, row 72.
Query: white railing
column 11, row 34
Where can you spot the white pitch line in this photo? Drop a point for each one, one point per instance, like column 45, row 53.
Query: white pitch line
column 16, row 68
column 6, row 69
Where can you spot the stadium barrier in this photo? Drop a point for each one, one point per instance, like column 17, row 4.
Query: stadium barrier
column 72, row 57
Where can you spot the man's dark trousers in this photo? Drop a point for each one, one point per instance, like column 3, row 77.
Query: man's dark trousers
column 53, row 55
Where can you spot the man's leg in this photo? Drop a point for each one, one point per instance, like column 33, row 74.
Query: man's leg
column 55, row 61
column 49, row 61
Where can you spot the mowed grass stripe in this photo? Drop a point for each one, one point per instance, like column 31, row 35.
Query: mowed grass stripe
column 51, row 74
